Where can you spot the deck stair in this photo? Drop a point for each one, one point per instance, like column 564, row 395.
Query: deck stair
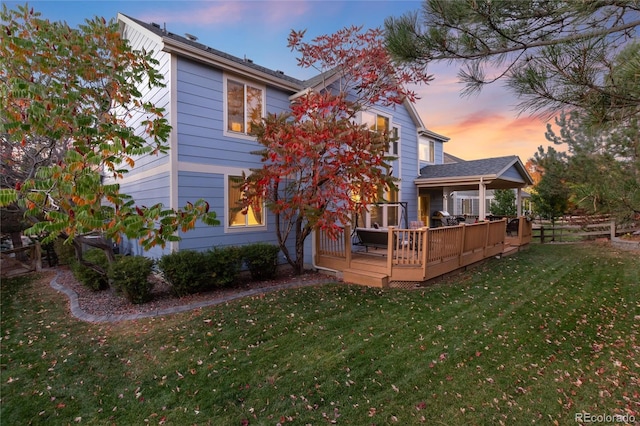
column 367, row 278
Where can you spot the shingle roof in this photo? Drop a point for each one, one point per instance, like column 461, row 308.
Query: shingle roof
column 155, row 28
column 483, row 167
column 448, row 158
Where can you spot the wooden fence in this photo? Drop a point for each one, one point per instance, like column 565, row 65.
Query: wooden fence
column 21, row 260
column 567, row 231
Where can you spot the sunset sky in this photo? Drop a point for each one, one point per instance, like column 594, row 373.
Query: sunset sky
column 479, row 127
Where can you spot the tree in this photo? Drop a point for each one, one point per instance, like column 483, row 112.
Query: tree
column 504, row 203
column 551, row 194
column 603, row 166
column 553, row 54
column 66, row 96
column 319, row 166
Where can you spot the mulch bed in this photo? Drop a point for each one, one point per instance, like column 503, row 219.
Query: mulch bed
column 109, row 302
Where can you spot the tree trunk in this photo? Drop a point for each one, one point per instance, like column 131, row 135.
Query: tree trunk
column 99, row 243
column 16, row 240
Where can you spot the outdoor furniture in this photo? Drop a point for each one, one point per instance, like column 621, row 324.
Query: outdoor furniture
column 371, row 237
column 512, row 227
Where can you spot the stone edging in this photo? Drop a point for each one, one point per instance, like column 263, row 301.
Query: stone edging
column 77, row 311
column 623, row 244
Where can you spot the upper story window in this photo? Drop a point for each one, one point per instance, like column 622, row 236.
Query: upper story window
column 374, row 121
column 381, row 123
column 244, row 105
column 392, row 148
column 426, row 150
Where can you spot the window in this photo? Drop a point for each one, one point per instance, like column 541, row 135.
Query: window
column 387, row 212
column 392, row 149
column 374, row 121
column 381, row 123
column 426, row 150
column 244, row 106
column 238, row 216
column 467, row 206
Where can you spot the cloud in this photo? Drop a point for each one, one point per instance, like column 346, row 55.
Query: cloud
column 211, row 13
column 231, row 14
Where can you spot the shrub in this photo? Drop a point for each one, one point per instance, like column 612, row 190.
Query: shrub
column 88, row 276
column 224, row 265
column 187, row 271
column 130, row 274
column 262, row 260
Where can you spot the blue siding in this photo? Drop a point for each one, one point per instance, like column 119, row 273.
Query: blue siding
column 438, row 152
column 159, row 96
column 200, row 119
column 146, row 192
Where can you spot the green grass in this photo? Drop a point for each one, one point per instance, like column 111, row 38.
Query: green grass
column 532, row 338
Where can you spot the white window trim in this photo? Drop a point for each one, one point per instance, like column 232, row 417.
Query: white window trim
column 375, row 113
column 235, row 229
column 225, row 116
column 433, row 151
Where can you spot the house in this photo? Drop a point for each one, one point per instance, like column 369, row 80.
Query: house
column 206, row 98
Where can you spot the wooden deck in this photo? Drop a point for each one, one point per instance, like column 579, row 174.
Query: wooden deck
column 417, row 255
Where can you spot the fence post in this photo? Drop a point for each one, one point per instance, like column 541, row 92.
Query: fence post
column 613, row 230
column 541, row 234
column 37, row 257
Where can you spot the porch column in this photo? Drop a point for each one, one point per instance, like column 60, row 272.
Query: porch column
column 482, row 198
column 519, row 202
column 447, row 204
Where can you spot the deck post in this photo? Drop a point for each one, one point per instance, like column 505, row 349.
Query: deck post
column 347, row 245
column 390, row 248
column 520, row 230
column 464, row 230
column 486, row 239
column 425, row 251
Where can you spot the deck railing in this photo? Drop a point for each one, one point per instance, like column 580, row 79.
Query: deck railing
column 424, row 253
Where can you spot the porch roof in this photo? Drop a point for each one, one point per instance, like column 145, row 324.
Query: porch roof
column 495, row 173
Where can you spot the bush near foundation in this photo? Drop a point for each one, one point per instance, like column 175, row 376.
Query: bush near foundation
column 261, row 260
column 187, row 271
column 224, row 264
column 130, row 274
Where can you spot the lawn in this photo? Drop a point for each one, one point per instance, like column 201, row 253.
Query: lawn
column 533, row 338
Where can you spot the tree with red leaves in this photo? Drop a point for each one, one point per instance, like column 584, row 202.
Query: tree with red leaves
column 65, row 99
column 320, row 167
